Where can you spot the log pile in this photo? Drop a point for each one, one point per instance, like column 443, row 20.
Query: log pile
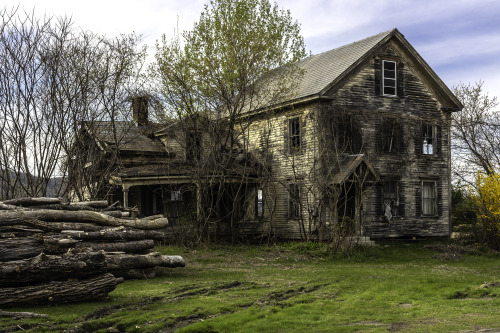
column 52, row 252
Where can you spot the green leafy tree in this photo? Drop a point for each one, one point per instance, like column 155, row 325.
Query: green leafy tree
column 217, row 72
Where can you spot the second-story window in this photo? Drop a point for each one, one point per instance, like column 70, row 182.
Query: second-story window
column 390, row 135
column 193, row 146
column 294, row 134
column 389, row 75
column 428, row 139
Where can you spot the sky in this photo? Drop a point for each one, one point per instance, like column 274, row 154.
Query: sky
column 459, row 39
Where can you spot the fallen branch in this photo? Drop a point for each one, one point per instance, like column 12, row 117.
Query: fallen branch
column 50, row 215
column 58, row 292
column 22, row 314
column 28, row 202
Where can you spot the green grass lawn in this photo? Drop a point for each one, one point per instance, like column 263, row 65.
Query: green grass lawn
column 295, row 287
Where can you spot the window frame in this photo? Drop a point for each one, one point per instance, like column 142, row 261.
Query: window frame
column 424, row 139
column 294, row 201
column 392, row 79
column 175, row 195
column 294, row 135
column 431, row 199
column 395, row 211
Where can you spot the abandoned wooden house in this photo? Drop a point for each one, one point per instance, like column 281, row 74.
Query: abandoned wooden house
column 365, row 138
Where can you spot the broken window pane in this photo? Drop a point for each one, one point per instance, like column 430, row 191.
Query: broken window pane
column 259, row 204
column 390, row 133
column 428, row 139
column 390, row 198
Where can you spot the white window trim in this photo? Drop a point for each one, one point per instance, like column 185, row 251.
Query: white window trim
column 395, row 78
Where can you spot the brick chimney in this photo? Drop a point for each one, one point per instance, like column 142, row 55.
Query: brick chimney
column 140, row 110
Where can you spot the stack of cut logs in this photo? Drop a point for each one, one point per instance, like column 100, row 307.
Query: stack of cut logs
column 58, row 253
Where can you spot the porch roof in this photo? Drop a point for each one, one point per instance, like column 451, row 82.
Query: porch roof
column 341, row 172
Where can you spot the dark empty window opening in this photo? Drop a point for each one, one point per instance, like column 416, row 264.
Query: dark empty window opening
column 429, row 198
column 390, row 136
column 294, row 134
column 175, row 195
column 390, row 200
column 389, row 78
column 259, row 203
column 294, row 211
column 428, row 139
column 193, row 146
column 348, row 135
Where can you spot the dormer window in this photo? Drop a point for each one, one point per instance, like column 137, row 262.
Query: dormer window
column 388, row 78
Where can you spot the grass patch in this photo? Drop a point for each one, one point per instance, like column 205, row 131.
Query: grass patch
column 295, row 287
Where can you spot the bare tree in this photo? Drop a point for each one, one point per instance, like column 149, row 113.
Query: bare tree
column 475, row 133
column 54, row 78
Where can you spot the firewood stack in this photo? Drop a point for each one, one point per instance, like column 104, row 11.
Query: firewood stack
column 52, row 252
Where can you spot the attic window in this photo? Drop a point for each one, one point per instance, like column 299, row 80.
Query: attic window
column 388, row 78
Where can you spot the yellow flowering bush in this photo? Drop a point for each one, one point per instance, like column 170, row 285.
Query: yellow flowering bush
column 487, row 202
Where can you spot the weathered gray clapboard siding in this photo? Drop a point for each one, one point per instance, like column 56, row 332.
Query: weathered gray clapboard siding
column 358, row 96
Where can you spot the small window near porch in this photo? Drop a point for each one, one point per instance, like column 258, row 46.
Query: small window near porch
column 259, row 203
column 389, row 78
column 294, row 211
column 428, row 139
column 429, row 198
column 390, row 199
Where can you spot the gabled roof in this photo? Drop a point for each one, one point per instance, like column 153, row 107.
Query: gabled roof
column 130, row 138
column 348, row 165
column 324, row 71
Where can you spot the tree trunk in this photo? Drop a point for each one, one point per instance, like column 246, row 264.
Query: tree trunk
column 58, row 292
column 115, row 234
column 50, row 226
column 122, row 262
column 50, row 215
column 93, row 204
column 28, row 202
column 136, row 274
column 139, row 246
column 19, row 248
column 45, row 268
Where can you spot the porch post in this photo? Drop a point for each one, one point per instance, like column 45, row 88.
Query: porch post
column 125, row 196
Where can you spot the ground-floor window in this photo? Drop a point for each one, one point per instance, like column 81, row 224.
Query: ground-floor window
column 429, row 198
column 259, row 203
column 390, row 202
column 294, row 210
